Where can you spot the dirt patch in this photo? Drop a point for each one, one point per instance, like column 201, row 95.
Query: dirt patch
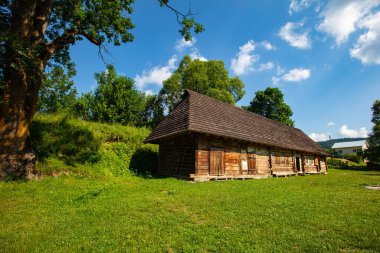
column 373, row 187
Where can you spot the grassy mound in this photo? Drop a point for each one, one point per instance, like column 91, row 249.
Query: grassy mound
column 65, row 144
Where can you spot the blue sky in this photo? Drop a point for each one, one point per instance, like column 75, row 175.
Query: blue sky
column 323, row 55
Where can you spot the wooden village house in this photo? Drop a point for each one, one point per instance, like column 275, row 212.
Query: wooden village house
column 204, row 139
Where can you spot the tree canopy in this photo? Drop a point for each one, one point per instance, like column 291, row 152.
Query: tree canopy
column 206, row 77
column 115, row 100
column 373, row 152
column 270, row 103
column 57, row 91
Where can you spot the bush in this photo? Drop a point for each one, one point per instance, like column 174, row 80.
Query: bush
column 145, row 160
column 353, row 158
column 335, row 162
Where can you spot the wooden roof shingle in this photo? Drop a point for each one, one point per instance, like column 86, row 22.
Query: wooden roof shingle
column 202, row 114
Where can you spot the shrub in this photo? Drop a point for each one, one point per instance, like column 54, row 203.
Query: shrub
column 353, row 158
column 145, row 160
column 335, row 162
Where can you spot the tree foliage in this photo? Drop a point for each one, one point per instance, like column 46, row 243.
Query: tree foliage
column 373, row 152
column 153, row 112
column 57, row 91
column 115, row 100
column 270, row 103
column 206, row 77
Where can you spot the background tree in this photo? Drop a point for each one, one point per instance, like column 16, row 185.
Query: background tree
column 153, row 112
column 115, row 100
column 35, row 33
column 82, row 106
column 206, row 77
column 270, row 103
column 373, row 152
column 57, row 91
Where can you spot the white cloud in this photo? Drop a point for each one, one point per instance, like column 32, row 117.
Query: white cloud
column 181, row 44
column 319, row 136
column 367, row 47
column 294, row 75
column 341, row 17
column 266, row 66
column 156, row 75
column 331, row 124
column 275, row 80
column 296, row 39
column 188, row 47
column 243, row 61
column 352, row 133
column 195, row 55
column 298, row 5
column 280, row 70
column 267, row 45
column 148, row 92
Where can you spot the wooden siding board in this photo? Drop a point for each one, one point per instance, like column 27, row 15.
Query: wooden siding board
column 191, row 154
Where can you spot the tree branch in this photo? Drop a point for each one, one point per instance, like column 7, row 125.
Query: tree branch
column 180, row 14
column 68, row 37
column 90, row 38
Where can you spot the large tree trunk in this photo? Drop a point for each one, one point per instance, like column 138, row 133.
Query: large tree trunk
column 24, row 66
column 17, row 158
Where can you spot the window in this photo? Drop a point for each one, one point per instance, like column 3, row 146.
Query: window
column 309, row 161
column 340, row 151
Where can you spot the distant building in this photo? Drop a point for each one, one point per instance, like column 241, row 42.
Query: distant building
column 349, row 148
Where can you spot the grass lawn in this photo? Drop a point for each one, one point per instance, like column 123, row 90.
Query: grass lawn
column 321, row 213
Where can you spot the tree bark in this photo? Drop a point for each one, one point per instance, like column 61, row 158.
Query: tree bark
column 20, row 86
column 17, row 158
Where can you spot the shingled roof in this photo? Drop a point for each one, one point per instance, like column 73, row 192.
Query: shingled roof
column 202, row 114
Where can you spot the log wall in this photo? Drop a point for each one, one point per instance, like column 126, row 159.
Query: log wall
column 322, row 163
column 282, row 162
column 177, row 156
column 192, row 154
column 308, row 168
column 262, row 161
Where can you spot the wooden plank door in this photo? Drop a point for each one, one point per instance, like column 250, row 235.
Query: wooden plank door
column 216, row 162
column 251, row 164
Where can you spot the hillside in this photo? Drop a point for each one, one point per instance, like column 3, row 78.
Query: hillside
column 329, row 143
column 65, row 144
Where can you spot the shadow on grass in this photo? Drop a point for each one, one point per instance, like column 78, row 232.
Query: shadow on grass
column 68, row 142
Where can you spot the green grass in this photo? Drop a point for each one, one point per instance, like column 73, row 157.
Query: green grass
column 65, row 144
column 320, row 213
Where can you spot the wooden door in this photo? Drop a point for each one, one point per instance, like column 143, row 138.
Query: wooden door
column 298, row 164
column 216, row 162
column 251, row 164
